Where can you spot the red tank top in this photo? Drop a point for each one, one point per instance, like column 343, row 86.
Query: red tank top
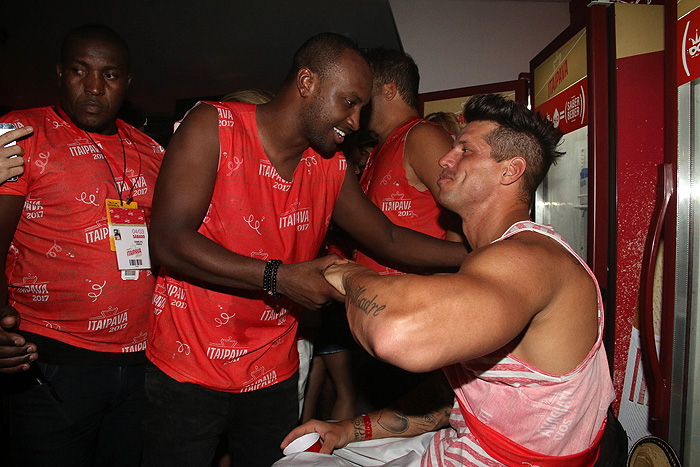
column 384, row 182
column 243, row 340
column 62, row 275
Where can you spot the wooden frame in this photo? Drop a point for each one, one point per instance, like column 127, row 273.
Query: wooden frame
column 452, row 100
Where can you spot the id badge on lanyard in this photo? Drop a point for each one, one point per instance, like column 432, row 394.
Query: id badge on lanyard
column 128, row 237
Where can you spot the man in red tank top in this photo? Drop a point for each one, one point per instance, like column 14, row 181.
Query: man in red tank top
column 73, row 324
column 242, row 205
column 401, row 174
column 401, row 179
column 517, row 331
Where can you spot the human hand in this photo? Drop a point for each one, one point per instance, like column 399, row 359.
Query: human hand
column 304, row 282
column 15, row 352
column 11, row 166
column 334, row 435
column 335, row 273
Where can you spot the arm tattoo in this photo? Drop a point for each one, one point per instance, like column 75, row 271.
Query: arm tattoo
column 359, row 429
column 400, row 424
column 365, row 304
column 395, row 422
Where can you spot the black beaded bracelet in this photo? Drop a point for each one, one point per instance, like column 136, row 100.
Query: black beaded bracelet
column 270, row 278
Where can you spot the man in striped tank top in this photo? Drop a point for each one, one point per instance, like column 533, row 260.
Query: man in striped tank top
column 517, row 331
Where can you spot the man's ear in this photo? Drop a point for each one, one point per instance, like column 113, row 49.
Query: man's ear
column 128, row 81
column 59, row 72
column 306, row 81
column 514, row 170
column 389, row 91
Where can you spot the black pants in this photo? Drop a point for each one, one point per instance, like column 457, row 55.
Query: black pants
column 97, row 421
column 183, row 422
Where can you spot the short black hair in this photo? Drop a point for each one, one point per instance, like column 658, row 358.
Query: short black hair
column 520, row 133
column 394, row 66
column 320, row 53
column 94, row 31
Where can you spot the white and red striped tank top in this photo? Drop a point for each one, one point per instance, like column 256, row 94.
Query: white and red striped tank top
column 508, row 412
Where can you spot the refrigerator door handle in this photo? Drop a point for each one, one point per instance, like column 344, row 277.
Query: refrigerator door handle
column 653, row 372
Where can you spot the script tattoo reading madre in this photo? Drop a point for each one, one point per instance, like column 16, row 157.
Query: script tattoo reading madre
column 366, row 305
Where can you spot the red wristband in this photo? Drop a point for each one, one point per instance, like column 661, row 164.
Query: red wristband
column 368, row 426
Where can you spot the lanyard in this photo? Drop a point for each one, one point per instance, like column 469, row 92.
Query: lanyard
column 61, row 113
column 119, row 190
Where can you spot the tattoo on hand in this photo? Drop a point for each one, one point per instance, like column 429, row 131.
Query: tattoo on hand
column 365, row 304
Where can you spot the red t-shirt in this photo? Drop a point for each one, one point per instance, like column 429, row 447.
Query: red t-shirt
column 243, row 340
column 62, row 275
column 384, row 182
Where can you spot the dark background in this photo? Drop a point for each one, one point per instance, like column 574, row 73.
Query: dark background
column 180, row 50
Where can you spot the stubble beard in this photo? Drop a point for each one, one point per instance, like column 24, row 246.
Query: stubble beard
column 315, row 119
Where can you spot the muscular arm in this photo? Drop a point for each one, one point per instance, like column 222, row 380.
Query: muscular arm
column 425, row 145
column 365, row 222
column 181, row 199
column 426, row 408
column 422, row 323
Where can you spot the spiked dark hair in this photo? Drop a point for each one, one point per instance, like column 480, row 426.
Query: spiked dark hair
column 520, row 133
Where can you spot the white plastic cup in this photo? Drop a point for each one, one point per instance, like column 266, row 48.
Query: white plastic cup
column 310, row 442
